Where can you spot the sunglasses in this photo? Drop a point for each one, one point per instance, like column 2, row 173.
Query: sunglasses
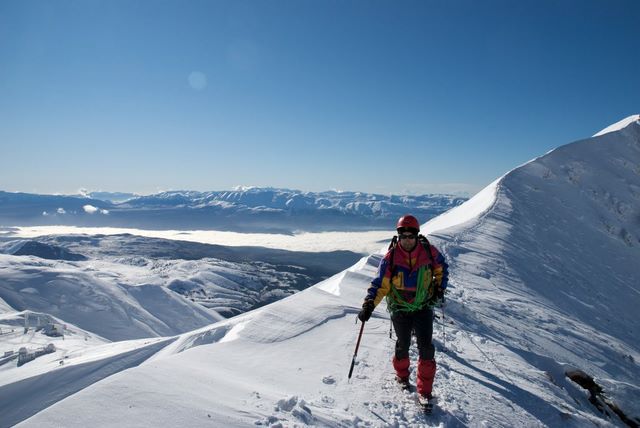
column 407, row 236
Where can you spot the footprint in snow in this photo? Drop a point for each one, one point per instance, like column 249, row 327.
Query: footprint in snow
column 328, row 380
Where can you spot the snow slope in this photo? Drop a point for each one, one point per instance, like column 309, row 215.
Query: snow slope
column 544, row 278
column 152, row 282
column 98, row 298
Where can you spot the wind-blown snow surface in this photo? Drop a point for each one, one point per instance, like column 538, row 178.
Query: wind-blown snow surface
column 544, row 277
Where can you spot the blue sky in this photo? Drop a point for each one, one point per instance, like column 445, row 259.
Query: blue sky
column 376, row 96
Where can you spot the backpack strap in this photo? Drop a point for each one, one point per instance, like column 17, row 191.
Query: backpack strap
column 392, row 247
column 427, row 246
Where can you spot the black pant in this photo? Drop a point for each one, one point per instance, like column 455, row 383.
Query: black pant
column 421, row 322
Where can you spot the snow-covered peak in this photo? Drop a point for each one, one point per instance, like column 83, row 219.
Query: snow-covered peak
column 483, row 200
column 619, row 125
column 468, row 211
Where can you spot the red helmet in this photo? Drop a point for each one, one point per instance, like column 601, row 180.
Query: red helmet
column 408, row 222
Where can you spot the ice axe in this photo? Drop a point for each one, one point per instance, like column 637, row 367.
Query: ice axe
column 353, row 361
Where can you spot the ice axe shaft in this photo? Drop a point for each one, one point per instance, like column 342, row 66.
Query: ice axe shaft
column 353, row 361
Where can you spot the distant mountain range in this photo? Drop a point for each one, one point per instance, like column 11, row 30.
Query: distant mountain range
column 246, row 210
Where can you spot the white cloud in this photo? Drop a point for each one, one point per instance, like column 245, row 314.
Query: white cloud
column 90, row 209
column 361, row 242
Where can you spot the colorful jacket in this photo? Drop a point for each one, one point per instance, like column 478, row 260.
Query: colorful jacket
column 402, row 283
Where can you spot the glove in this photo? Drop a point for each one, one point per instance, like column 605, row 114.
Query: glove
column 366, row 311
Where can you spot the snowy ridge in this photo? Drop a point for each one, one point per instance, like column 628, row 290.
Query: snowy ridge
column 469, row 211
column 39, row 249
column 619, row 125
column 557, row 250
column 543, row 279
